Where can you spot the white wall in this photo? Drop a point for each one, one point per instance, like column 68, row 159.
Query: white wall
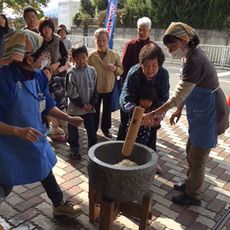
column 67, row 10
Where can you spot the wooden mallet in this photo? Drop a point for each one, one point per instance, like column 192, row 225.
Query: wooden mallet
column 132, row 131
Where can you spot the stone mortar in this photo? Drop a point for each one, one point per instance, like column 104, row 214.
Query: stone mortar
column 123, row 184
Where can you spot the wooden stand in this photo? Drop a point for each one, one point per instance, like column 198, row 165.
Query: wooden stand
column 106, row 210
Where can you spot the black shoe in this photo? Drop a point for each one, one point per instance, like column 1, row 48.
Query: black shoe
column 184, row 199
column 76, row 156
column 107, row 134
column 179, row 187
column 158, row 169
column 74, row 151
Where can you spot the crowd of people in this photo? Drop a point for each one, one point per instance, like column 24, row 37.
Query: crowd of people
column 45, row 92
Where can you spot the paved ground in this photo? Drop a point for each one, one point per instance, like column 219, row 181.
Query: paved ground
column 28, row 207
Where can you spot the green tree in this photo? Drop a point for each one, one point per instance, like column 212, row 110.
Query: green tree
column 19, row 5
column 87, row 7
column 135, row 9
column 218, row 14
column 102, row 4
column 197, row 13
column 86, row 13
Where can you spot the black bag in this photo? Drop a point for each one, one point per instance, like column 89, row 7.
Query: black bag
column 58, row 92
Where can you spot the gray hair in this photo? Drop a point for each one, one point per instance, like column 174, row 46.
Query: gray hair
column 145, row 21
column 101, row 31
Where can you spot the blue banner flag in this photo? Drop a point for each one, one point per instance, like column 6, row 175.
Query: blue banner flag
column 110, row 20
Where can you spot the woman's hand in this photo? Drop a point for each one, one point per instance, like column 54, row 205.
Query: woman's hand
column 111, row 67
column 75, row 121
column 54, row 66
column 149, row 120
column 29, row 134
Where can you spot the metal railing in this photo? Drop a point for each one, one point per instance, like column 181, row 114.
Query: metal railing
column 218, row 54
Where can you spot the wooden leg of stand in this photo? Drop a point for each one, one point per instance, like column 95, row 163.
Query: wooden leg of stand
column 106, row 214
column 145, row 209
column 92, row 203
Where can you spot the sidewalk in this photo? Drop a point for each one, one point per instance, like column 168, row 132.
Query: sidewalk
column 28, row 207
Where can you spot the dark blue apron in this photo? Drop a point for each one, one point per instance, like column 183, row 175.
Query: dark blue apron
column 201, row 114
column 21, row 161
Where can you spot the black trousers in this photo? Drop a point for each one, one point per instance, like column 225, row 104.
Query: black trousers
column 50, row 185
column 106, row 100
column 124, row 118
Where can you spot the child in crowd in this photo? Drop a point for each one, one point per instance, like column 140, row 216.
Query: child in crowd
column 62, row 32
column 82, row 94
column 55, row 55
column 147, row 99
column 57, row 91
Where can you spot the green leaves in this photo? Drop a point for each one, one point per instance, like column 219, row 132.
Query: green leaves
column 210, row 14
column 19, row 5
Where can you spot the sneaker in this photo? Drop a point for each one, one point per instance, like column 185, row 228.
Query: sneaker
column 58, row 135
column 179, row 187
column 74, row 153
column 76, row 156
column 67, row 209
column 158, row 169
column 107, row 134
column 184, row 199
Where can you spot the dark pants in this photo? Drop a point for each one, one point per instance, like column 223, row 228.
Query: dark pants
column 152, row 139
column 90, row 128
column 197, row 159
column 124, row 118
column 51, row 187
column 106, row 99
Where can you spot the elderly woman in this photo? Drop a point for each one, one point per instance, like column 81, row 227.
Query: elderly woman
column 130, row 57
column 206, row 106
column 108, row 65
column 149, row 73
column 26, row 156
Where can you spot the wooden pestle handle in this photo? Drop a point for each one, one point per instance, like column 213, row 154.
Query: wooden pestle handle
column 132, row 131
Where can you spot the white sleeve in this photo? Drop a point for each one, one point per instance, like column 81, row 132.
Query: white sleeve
column 182, row 91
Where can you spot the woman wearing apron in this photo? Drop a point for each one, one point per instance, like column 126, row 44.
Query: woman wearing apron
column 206, row 107
column 25, row 154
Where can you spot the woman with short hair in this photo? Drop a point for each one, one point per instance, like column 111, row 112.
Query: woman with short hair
column 148, row 73
column 108, row 66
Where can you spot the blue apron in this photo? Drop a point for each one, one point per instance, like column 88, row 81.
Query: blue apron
column 201, row 114
column 21, row 161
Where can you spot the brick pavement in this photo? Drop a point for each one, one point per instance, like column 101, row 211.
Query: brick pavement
column 28, row 207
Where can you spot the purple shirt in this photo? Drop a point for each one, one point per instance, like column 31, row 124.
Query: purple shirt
column 131, row 54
